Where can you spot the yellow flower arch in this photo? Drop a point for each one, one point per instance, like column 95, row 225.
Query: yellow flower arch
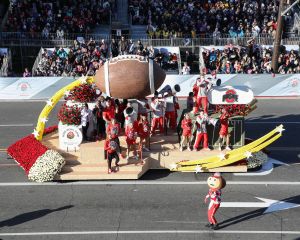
column 40, row 126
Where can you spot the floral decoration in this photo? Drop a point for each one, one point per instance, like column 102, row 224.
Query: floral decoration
column 26, row 151
column 50, row 129
column 256, row 160
column 70, row 115
column 84, row 93
column 46, row 167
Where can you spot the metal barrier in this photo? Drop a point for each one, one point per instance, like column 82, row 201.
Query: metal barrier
column 37, row 39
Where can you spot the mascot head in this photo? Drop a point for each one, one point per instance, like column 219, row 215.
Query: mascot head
column 216, row 181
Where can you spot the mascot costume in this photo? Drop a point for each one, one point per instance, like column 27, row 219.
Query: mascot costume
column 215, row 183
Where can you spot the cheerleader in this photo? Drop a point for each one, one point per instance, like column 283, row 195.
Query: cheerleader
column 143, row 133
column 110, row 147
column 224, row 133
column 131, row 136
column 186, row 126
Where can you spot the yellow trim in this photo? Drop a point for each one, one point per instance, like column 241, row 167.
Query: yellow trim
column 54, row 100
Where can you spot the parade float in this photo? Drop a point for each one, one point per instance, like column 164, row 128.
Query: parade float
column 57, row 153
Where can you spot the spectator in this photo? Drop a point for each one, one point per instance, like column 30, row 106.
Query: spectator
column 186, row 69
column 114, row 48
column 26, row 73
column 123, row 46
column 58, row 17
column 250, row 59
column 187, row 19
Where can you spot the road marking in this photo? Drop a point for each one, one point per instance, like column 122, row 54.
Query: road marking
column 266, row 168
column 137, row 182
column 270, row 204
column 17, row 125
column 8, row 165
column 268, row 122
column 148, row 232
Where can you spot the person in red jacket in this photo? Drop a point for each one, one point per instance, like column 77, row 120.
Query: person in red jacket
column 224, row 133
column 109, row 111
column 110, row 146
column 131, row 136
column 143, row 133
column 186, row 125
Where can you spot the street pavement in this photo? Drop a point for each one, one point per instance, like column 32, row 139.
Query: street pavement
column 162, row 205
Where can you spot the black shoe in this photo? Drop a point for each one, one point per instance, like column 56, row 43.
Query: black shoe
column 215, row 227
column 209, row 225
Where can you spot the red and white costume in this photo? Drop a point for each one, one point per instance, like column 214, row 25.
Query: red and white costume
column 143, row 129
column 224, row 121
column 201, row 131
column 171, row 111
column 215, row 201
column 109, row 113
column 131, row 134
column 186, row 125
column 113, row 130
column 200, row 90
column 158, row 116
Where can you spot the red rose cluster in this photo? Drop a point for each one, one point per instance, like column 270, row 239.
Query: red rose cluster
column 50, row 129
column 27, row 150
column 83, row 93
column 70, row 114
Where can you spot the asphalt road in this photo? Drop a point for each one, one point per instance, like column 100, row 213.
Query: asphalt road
column 163, row 206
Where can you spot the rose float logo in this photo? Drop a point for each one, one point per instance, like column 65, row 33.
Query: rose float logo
column 70, row 135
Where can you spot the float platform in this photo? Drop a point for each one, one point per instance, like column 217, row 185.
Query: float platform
column 89, row 164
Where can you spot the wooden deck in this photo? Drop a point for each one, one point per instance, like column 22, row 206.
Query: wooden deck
column 89, row 164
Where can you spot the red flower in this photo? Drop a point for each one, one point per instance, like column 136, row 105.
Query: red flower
column 26, row 151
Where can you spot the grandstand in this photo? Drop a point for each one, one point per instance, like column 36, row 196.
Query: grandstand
column 90, row 31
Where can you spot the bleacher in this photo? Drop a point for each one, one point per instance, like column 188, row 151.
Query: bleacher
column 55, row 24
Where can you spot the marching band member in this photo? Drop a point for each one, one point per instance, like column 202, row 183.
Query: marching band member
column 157, row 107
column 110, row 147
column 215, row 183
column 186, row 126
column 224, row 134
column 200, row 90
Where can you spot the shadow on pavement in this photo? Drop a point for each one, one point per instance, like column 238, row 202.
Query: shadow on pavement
column 255, row 213
column 29, row 216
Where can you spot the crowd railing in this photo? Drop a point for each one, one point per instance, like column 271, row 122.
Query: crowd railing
column 51, row 40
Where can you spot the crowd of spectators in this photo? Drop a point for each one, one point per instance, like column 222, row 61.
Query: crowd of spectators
column 57, row 16
column 251, row 59
column 84, row 58
column 189, row 18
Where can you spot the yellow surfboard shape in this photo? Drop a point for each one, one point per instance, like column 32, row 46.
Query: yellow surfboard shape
column 234, row 151
column 228, row 159
column 53, row 101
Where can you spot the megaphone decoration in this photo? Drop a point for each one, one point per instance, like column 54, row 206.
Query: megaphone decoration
column 175, row 89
